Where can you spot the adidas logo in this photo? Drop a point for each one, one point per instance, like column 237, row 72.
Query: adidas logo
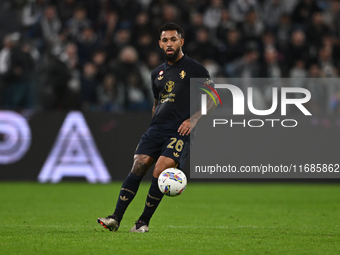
column 123, row 198
column 148, row 204
column 176, row 154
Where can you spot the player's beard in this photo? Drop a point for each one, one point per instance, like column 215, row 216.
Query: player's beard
column 173, row 57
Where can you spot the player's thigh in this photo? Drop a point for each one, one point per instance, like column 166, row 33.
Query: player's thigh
column 162, row 164
column 173, row 154
column 141, row 164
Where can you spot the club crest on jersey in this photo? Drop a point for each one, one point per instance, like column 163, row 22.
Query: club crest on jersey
column 169, row 86
column 160, row 77
column 182, row 74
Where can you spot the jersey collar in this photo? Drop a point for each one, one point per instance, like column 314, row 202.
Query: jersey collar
column 178, row 63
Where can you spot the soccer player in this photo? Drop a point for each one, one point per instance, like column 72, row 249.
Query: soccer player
column 167, row 141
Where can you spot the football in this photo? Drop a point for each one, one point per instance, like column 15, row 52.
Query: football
column 172, row 182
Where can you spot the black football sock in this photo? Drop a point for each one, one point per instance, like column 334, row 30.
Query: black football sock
column 127, row 193
column 152, row 201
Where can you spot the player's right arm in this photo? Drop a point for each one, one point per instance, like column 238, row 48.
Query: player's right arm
column 154, row 107
column 188, row 125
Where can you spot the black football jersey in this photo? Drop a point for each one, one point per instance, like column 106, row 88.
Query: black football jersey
column 171, row 87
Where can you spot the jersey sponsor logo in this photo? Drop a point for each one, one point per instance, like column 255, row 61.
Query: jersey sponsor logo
column 74, row 154
column 182, row 74
column 169, row 86
column 15, row 137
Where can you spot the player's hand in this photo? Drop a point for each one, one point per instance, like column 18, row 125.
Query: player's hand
column 186, row 127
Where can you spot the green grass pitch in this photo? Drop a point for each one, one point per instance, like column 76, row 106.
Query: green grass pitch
column 208, row 218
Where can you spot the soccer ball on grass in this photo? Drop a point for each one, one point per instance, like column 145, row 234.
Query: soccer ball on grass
column 172, row 182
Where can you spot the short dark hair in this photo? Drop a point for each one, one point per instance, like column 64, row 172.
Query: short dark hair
column 170, row 26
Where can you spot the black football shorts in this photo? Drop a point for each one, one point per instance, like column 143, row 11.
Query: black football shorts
column 172, row 145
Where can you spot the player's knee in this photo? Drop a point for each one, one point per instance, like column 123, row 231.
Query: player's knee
column 157, row 171
column 141, row 165
column 161, row 166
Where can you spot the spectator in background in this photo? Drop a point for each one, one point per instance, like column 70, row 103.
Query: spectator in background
column 246, row 66
column 212, row 66
column 316, row 30
column 234, row 47
column 142, row 25
column 70, row 56
column 239, row 8
column 307, row 32
column 65, row 9
column 192, row 28
column 60, row 90
column 272, row 11
column 47, row 29
column 108, row 28
column 129, row 74
column 297, row 49
column 332, row 17
column 99, row 60
column 326, row 62
column 17, row 74
column 78, row 21
column 283, row 32
column 203, row 48
column 170, row 13
column 153, row 60
column 121, row 39
column 70, row 59
column 212, row 14
column 89, row 87
column 225, row 25
column 31, row 12
column 144, row 46
column 268, row 40
column 298, row 71
column 9, row 41
column 271, row 67
column 136, row 94
column 318, row 90
column 87, row 43
column 129, row 10
column 304, row 10
column 252, row 27
column 110, row 94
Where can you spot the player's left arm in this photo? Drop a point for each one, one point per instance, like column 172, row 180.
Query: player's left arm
column 188, row 125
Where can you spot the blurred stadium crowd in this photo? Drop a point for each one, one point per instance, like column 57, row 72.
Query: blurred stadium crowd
column 98, row 55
